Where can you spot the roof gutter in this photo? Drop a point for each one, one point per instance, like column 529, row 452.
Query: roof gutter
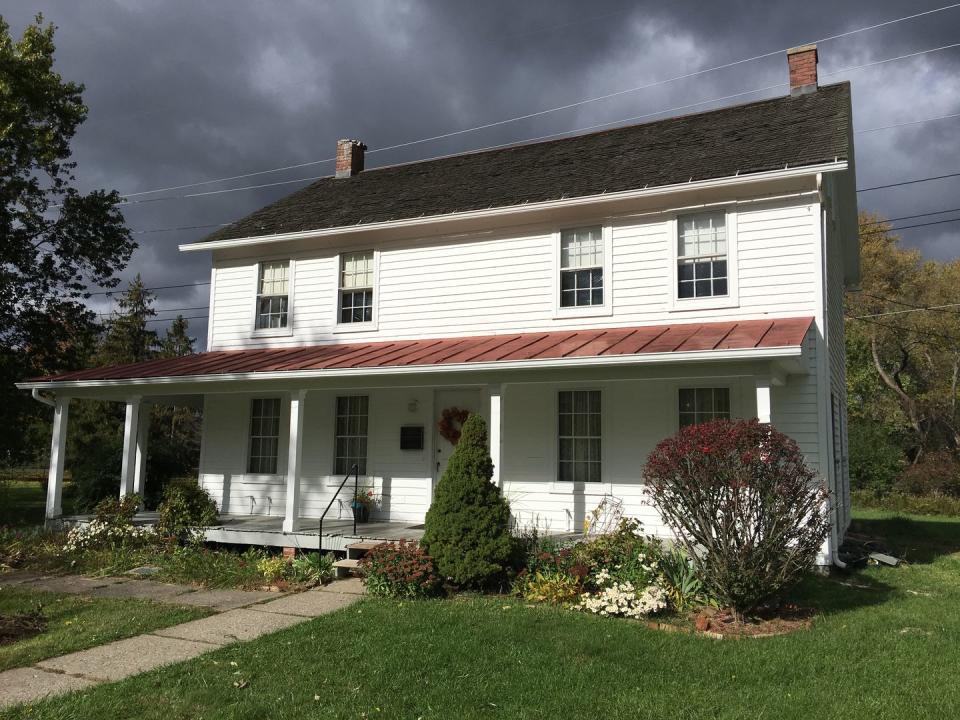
column 784, row 352
column 733, row 180
column 35, row 394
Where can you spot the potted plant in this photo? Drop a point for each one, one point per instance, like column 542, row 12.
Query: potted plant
column 361, row 504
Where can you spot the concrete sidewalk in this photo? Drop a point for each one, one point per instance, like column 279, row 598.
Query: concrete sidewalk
column 237, row 621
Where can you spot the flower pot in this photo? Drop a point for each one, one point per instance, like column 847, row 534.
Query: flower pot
column 361, row 513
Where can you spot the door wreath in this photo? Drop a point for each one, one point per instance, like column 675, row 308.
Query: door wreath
column 451, row 423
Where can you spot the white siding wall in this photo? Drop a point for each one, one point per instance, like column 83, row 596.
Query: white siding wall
column 501, row 283
column 636, row 415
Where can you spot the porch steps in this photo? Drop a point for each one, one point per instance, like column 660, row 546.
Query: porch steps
column 355, row 551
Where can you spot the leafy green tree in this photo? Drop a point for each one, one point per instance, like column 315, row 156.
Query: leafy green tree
column 903, row 360
column 174, row 450
column 57, row 241
column 95, row 436
column 468, row 524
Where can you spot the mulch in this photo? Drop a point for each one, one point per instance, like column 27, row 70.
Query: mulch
column 783, row 620
column 20, row 626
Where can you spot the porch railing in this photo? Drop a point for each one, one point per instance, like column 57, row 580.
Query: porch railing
column 355, row 471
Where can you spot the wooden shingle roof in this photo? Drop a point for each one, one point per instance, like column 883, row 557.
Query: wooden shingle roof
column 761, row 136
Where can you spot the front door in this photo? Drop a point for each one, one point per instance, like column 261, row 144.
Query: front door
column 465, row 399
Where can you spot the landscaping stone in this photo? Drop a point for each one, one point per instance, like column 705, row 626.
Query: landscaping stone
column 144, row 571
column 123, row 658
column 224, row 599
column 142, row 589
column 31, row 684
column 231, row 626
column 308, row 604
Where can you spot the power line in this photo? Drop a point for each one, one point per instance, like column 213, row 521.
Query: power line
column 161, row 310
column 910, row 122
column 162, row 287
column 183, row 227
column 900, row 328
column 910, row 305
column 903, row 312
column 512, row 143
column 919, row 225
column 909, row 182
column 568, row 106
column 909, row 217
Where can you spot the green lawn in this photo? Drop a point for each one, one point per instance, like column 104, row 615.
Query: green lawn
column 77, row 623
column 887, row 650
column 22, row 501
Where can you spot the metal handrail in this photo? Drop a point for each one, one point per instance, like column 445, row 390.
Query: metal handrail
column 355, row 471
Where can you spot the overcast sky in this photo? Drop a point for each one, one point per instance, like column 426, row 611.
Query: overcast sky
column 181, row 92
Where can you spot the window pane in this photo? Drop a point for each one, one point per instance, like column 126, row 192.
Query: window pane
column 356, row 269
column 719, row 287
column 685, row 290
column 701, row 250
column 581, row 247
column 350, row 443
column 264, row 435
column 579, row 437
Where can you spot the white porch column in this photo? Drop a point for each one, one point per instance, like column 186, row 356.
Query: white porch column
column 131, row 430
column 496, row 431
column 140, row 459
column 291, row 517
column 58, row 451
column 763, row 400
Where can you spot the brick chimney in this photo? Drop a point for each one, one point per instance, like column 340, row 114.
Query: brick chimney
column 803, row 69
column 349, row 158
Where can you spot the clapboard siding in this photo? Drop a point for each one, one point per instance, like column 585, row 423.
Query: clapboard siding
column 636, row 414
column 504, row 282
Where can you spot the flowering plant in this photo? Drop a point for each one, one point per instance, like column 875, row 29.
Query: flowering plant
column 400, row 570
column 622, row 599
column 112, row 526
column 363, row 498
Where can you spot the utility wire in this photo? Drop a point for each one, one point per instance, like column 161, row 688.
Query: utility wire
column 909, row 122
column 908, row 217
column 903, row 312
column 508, row 144
column 900, row 328
column 909, row 182
column 162, row 287
column 568, row 106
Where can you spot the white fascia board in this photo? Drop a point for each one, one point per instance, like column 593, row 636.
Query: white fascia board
column 786, row 173
column 785, row 352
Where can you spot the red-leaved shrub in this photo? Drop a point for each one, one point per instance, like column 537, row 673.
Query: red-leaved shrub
column 744, row 505
column 400, row 570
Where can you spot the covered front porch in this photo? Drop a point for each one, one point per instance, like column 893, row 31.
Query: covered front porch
column 567, row 434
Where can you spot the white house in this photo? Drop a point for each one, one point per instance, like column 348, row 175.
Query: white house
column 587, row 296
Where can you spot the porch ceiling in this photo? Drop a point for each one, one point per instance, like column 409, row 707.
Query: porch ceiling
column 680, row 342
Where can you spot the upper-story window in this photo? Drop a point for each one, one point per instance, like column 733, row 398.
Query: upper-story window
column 581, row 267
column 702, row 255
column 273, row 299
column 356, row 287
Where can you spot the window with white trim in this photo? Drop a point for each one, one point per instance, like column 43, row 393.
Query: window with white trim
column 581, row 267
column 264, row 436
column 579, row 436
column 350, row 443
column 700, row 405
column 702, row 255
column 356, row 287
column 273, row 299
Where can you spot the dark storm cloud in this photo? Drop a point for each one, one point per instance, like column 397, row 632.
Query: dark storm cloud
column 186, row 91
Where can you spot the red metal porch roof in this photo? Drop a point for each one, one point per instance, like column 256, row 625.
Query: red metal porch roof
column 508, row 347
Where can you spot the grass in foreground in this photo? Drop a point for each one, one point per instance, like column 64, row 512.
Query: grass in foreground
column 77, row 623
column 886, row 646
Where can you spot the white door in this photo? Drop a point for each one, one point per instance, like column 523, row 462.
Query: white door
column 465, row 399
